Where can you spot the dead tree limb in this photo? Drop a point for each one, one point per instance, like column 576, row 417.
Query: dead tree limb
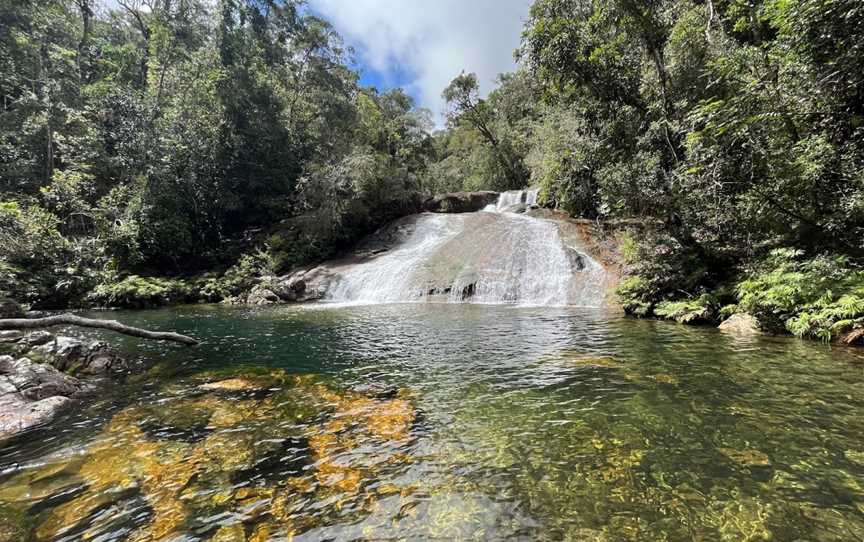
column 113, row 325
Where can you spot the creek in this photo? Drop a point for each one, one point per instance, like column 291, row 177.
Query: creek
column 514, row 407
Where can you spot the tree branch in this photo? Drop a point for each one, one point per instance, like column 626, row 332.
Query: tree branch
column 113, row 325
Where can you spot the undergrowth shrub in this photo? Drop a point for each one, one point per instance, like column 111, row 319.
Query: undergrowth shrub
column 820, row 297
column 702, row 309
column 141, row 292
column 661, row 270
column 240, row 277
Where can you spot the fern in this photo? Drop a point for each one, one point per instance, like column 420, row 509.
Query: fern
column 817, row 298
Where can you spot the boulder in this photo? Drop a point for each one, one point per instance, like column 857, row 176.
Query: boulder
column 31, row 393
column 10, row 309
column 11, row 335
column 741, row 324
column 460, row 202
column 262, row 295
column 307, row 284
column 291, row 289
column 76, row 356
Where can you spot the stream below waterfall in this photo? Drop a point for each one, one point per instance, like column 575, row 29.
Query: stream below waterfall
column 449, row 421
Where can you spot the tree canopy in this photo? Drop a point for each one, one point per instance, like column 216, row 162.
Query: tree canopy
column 176, row 137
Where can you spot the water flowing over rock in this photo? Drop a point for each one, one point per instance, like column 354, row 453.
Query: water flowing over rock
column 460, row 202
column 491, row 256
column 515, row 201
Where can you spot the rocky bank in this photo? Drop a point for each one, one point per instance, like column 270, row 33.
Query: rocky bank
column 42, row 375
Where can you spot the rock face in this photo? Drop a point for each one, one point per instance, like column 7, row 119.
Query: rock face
column 741, row 324
column 34, row 384
column 460, row 202
column 31, row 393
column 78, row 357
column 487, row 257
column 306, row 284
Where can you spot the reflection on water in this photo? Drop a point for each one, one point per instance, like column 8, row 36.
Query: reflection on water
column 450, row 421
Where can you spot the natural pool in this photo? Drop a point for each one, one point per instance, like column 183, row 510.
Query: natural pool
column 450, row 422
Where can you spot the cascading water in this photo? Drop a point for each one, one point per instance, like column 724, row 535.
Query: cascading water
column 492, row 256
column 514, row 199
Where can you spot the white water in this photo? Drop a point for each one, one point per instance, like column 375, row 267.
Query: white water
column 492, row 256
column 512, row 198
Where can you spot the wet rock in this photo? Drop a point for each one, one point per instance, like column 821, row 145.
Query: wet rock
column 79, row 357
column 666, row 378
column 262, row 295
column 591, row 362
column 10, row 309
column 36, row 381
column 577, row 259
column 376, row 391
column 301, row 286
column 232, row 384
column 854, row 337
column 460, row 202
column 11, row 336
column 746, row 458
column 855, row 456
column 290, row 457
column 36, row 338
column 741, row 324
column 31, row 394
column 291, row 289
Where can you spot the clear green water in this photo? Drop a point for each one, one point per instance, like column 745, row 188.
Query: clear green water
column 451, row 422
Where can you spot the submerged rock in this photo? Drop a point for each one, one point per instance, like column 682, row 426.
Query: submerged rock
column 578, row 359
column 259, row 464
column 741, row 324
column 232, row 384
column 747, row 458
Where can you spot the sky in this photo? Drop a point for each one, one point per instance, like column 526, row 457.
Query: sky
column 421, row 45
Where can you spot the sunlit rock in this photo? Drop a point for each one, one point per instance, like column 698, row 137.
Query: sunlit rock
column 230, row 533
column 741, row 324
column 666, row 378
column 746, row 458
column 31, row 394
column 231, row 384
column 855, row 456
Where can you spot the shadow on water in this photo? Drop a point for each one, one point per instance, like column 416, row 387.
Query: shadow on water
column 449, row 421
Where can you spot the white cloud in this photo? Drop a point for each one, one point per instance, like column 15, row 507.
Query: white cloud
column 430, row 41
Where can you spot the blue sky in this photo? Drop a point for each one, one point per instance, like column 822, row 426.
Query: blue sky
column 421, row 45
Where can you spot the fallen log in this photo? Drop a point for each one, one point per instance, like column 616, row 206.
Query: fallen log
column 113, row 325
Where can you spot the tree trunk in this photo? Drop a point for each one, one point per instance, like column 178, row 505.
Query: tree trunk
column 113, row 325
column 44, row 76
column 84, row 67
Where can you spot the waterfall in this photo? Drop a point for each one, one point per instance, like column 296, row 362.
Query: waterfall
column 513, row 199
column 493, row 256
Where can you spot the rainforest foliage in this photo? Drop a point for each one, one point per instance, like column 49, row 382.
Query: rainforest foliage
column 159, row 137
column 227, row 140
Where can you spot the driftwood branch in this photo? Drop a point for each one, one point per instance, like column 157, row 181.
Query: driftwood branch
column 113, row 325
